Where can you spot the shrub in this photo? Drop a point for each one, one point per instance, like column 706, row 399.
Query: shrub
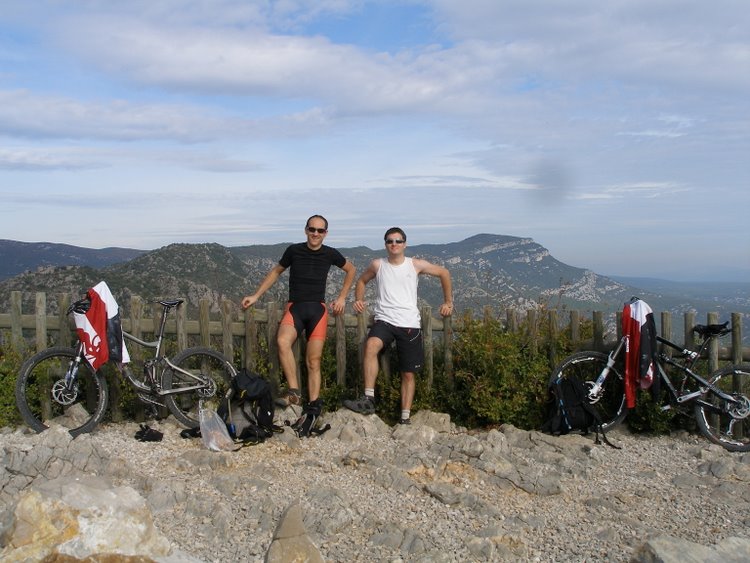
column 10, row 365
column 500, row 377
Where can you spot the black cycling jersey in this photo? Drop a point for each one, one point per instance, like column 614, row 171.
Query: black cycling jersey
column 308, row 270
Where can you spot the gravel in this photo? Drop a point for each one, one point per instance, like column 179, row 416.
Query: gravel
column 370, row 498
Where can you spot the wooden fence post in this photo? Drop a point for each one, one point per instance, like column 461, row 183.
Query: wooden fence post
column 429, row 366
column 41, row 321
column 340, row 350
column 181, row 327
column 511, row 320
column 448, row 351
column 553, row 334
column 251, row 339
column 736, row 338
column 713, row 348
column 575, row 328
column 532, row 331
column 598, row 322
column 689, row 323
column 65, row 334
column 227, row 316
column 666, row 330
column 204, row 322
column 16, row 328
column 488, row 314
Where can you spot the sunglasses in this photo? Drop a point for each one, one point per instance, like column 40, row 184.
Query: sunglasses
column 394, row 241
column 316, row 230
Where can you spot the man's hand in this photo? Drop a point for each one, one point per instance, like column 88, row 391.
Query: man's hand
column 338, row 306
column 360, row 306
column 249, row 301
column 446, row 309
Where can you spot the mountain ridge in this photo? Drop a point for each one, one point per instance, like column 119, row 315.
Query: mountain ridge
column 499, row 271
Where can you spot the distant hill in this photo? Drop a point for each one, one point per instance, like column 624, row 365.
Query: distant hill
column 488, row 270
column 18, row 257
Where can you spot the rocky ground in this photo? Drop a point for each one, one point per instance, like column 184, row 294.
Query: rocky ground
column 434, row 492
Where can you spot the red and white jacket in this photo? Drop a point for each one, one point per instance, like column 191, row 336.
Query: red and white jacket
column 639, row 329
column 100, row 329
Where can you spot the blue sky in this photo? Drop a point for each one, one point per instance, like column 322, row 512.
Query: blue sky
column 616, row 134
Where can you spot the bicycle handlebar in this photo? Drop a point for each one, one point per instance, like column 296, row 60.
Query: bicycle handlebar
column 707, row 331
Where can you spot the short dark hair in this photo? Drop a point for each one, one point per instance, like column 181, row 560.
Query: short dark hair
column 316, row 217
column 395, row 230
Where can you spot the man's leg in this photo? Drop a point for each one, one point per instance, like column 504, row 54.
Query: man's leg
column 312, row 360
column 366, row 404
column 285, row 339
column 408, row 386
column 411, row 358
column 373, row 346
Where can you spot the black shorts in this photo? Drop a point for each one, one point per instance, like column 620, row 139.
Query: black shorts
column 409, row 345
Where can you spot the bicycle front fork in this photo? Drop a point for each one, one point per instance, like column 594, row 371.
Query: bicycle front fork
column 596, row 388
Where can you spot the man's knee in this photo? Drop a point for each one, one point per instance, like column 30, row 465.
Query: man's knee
column 285, row 337
column 312, row 361
column 373, row 346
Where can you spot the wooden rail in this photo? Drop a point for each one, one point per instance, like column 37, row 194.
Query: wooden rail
column 242, row 334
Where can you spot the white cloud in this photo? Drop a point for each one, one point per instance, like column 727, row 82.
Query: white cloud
column 525, row 117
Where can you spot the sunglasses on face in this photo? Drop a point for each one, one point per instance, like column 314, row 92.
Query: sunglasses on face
column 395, row 241
column 315, row 230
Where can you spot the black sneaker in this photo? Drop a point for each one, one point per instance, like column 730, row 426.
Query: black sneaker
column 405, row 421
column 365, row 405
column 305, row 424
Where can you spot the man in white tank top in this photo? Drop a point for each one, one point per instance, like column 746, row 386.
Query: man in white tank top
column 396, row 318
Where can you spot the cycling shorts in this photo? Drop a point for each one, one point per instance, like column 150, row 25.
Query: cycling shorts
column 308, row 316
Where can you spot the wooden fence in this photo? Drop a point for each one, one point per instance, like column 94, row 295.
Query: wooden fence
column 245, row 331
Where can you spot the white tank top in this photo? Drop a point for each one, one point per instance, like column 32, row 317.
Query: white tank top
column 396, row 301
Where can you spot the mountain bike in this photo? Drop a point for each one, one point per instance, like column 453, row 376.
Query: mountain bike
column 720, row 401
column 59, row 385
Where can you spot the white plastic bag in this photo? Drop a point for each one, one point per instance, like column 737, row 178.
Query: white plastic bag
column 213, row 430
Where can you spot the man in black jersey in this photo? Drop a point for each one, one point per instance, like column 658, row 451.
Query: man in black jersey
column 308, row 263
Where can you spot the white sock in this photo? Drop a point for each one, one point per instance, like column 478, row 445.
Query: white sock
column 370, row 393
column 405, row 414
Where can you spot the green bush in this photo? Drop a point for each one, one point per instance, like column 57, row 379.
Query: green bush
column 10, row 364
column 648, row 416
column 500, row 377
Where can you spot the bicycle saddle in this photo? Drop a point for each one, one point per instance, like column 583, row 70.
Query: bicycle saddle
column 81, row 306
column 171, row 302
column 707, row 331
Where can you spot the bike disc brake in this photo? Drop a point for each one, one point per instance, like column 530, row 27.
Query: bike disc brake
column 593, row 398
column 64, row 395
column 209, row 390
column 741, row 411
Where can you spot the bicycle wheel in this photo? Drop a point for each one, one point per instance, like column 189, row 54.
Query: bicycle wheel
column 212, row 375
column 722, row 422
column 43, row 397
column 586, row 366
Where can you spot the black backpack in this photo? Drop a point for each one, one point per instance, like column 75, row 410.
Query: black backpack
column 571, row 410
column 248, row 408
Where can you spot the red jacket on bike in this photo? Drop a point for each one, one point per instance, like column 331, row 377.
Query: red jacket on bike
column 639, row 328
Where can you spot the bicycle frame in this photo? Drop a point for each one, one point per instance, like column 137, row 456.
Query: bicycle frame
column 156, row 345
column 686, row 367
